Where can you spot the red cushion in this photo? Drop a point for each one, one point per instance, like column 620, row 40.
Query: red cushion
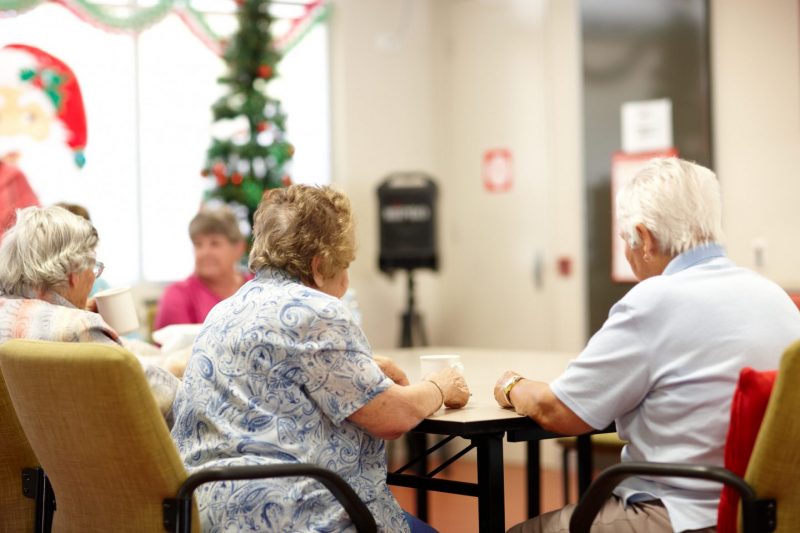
column 747, row 412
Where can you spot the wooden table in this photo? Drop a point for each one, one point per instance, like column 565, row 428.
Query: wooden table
column 484, row 424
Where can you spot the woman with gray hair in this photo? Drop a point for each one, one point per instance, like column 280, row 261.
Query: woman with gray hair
column 664, row 365
column 47, row 268
column 218, row 246
column 281, row 373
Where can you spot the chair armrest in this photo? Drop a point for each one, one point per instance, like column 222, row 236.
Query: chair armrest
column 602, row 487
column 344, row 493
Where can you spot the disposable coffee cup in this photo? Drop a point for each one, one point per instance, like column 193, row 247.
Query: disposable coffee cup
column 117, row 309
column 429, row 364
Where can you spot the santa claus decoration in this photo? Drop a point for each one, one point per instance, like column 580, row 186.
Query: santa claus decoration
column 42, row 128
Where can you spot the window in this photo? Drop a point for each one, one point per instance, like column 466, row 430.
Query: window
column 148, row 100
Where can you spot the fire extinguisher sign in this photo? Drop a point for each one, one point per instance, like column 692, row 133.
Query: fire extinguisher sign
column 498, row 170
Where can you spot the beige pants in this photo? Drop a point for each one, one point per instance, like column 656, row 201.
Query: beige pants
column 641, row 517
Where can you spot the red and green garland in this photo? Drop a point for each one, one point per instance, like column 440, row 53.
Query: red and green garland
column 135, row 19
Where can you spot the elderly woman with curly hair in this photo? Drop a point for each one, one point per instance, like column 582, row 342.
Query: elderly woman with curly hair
column 47, row 268
column 281, row 373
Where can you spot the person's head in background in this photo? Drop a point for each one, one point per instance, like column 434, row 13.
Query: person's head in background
column 49, row 250
column 308, row 232
column 75, row 209
column 218, row 244
column 668, row 208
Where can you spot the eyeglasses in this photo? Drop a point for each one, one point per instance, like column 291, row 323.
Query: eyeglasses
column 98, row 268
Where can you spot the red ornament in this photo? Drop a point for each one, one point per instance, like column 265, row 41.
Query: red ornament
column 286, row 180
column 262, row 126
column 219, row 172
column 236, row 179
column 264, row 71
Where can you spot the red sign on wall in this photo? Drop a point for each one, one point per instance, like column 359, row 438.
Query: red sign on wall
column 498, row 169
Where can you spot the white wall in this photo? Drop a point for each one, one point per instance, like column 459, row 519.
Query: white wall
column 383, row 116
column 756, row 84
column 431, row 86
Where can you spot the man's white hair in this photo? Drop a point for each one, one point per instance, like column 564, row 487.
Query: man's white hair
column 42, row 248
column 678, row 201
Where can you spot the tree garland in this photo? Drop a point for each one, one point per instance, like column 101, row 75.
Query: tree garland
column 141, row 18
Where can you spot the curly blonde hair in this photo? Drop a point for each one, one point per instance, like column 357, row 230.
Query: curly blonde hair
column 294, row 224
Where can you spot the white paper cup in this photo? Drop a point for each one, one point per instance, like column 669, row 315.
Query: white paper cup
column 117, row 309
column 428, row 364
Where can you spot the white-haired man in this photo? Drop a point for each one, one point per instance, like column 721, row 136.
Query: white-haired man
column 665, row 363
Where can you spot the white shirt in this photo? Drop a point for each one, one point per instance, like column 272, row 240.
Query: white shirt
column 664, row 367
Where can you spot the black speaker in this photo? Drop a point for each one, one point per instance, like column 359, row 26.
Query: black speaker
column 407, row 214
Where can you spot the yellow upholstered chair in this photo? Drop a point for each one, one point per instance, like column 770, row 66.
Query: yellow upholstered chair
column 22, row 487
column 774, row 468
column 96, row 429
column 769, row 490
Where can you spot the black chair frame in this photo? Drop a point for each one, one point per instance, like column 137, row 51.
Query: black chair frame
column 758, row 515
column 178, row 510
column 36, row 486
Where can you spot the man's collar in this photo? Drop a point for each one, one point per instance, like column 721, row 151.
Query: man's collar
column 694, row 256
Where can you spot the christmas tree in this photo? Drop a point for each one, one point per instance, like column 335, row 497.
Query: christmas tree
column 248, row 151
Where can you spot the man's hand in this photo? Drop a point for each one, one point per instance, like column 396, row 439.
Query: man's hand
column 390, row 368
column 499, row 395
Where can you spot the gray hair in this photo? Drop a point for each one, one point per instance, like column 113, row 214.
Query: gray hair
column 216, row 220
column 678, row 201
column 43, row 247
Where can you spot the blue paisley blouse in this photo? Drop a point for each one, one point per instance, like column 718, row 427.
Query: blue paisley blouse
column 274, row 374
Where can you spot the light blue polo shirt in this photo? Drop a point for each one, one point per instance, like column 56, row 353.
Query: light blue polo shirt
column 664, row 367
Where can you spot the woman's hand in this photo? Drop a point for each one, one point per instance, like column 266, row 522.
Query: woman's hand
column 454, row 387
column 390, row 368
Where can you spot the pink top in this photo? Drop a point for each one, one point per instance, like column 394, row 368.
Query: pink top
column 187, row 302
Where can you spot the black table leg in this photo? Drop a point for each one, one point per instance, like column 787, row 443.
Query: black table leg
column 533, row 465
column 584, row 447
column 417, row 446
column 491, row 496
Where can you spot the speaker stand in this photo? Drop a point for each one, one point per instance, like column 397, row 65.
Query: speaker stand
column 412, row 329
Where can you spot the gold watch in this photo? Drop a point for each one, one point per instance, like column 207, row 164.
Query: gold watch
column 510, row 384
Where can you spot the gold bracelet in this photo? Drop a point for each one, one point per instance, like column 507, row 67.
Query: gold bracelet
column 440, row 392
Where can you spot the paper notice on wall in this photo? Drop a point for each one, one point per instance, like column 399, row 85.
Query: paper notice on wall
column 623, row 169
column 498, row 169
column 646, row 125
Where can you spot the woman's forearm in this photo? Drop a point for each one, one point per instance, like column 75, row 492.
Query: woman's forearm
column 398, row 409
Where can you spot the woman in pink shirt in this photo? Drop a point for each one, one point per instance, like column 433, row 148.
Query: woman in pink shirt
column 218, row 246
